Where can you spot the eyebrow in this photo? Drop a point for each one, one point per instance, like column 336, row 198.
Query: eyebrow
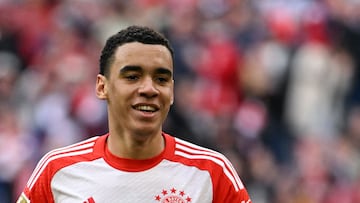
column 129, row 69
column 164, row 71
column 160, row 70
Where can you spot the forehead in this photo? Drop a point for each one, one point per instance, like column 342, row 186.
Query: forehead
column 136, row 53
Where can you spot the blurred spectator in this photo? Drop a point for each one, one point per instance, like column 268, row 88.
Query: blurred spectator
column 9, row 72
column 318, row 85
column 14, row 151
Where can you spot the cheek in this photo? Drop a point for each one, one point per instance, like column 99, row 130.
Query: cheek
column 118, row 94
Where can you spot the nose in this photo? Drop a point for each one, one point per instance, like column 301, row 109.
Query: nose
column 147, row 88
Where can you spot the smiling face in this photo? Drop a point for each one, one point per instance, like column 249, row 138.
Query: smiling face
column 138, row 88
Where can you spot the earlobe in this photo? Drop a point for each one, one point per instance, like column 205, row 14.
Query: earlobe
column 101, row 90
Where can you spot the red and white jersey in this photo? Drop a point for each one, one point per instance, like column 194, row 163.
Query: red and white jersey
column 87, row 172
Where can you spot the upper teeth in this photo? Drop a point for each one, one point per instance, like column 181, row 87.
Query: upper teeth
column 145, row 108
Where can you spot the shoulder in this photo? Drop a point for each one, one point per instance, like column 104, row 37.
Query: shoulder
column 192, row 151
column 59, row 158
column 206, row 159
column 72, row 151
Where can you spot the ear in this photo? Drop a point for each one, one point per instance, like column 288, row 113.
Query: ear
column 172, row 100
column 172, row 96
column 101, row 87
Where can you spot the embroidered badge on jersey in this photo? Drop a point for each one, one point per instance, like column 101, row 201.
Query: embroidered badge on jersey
column 23, row 199
column 173, row 196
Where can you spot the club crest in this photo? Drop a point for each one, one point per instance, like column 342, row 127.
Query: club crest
column 173, row 196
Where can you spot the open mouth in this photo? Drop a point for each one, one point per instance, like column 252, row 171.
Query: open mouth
column 146, row 108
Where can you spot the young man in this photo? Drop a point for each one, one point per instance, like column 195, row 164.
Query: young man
column 136, row 161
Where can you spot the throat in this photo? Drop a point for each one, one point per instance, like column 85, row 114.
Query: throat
column 135, row 148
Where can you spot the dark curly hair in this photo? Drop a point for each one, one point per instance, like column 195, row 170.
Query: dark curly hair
column 132, row 33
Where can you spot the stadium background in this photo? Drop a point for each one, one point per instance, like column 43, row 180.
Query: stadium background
column 273, row 84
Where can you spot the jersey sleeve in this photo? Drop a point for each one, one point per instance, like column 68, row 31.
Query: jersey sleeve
column 226, row 184
column 37, row 188
column 228, row 188
column 225, row 192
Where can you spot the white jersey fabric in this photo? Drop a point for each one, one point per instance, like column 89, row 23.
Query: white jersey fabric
column 87, row 172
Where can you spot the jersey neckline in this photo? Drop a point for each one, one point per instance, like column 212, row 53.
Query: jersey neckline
column 132, row 165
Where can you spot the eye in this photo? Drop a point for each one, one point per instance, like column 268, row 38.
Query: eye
column 132, row 77
column 162, row 80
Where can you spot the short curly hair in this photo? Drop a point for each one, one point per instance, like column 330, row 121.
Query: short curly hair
column 132, row 33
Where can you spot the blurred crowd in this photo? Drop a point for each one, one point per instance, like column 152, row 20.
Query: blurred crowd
column 274, row 85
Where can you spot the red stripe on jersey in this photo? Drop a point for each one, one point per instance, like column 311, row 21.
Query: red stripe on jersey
column 191, row 151
column 83, row 147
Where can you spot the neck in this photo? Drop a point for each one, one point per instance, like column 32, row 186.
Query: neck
column 135, row 146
